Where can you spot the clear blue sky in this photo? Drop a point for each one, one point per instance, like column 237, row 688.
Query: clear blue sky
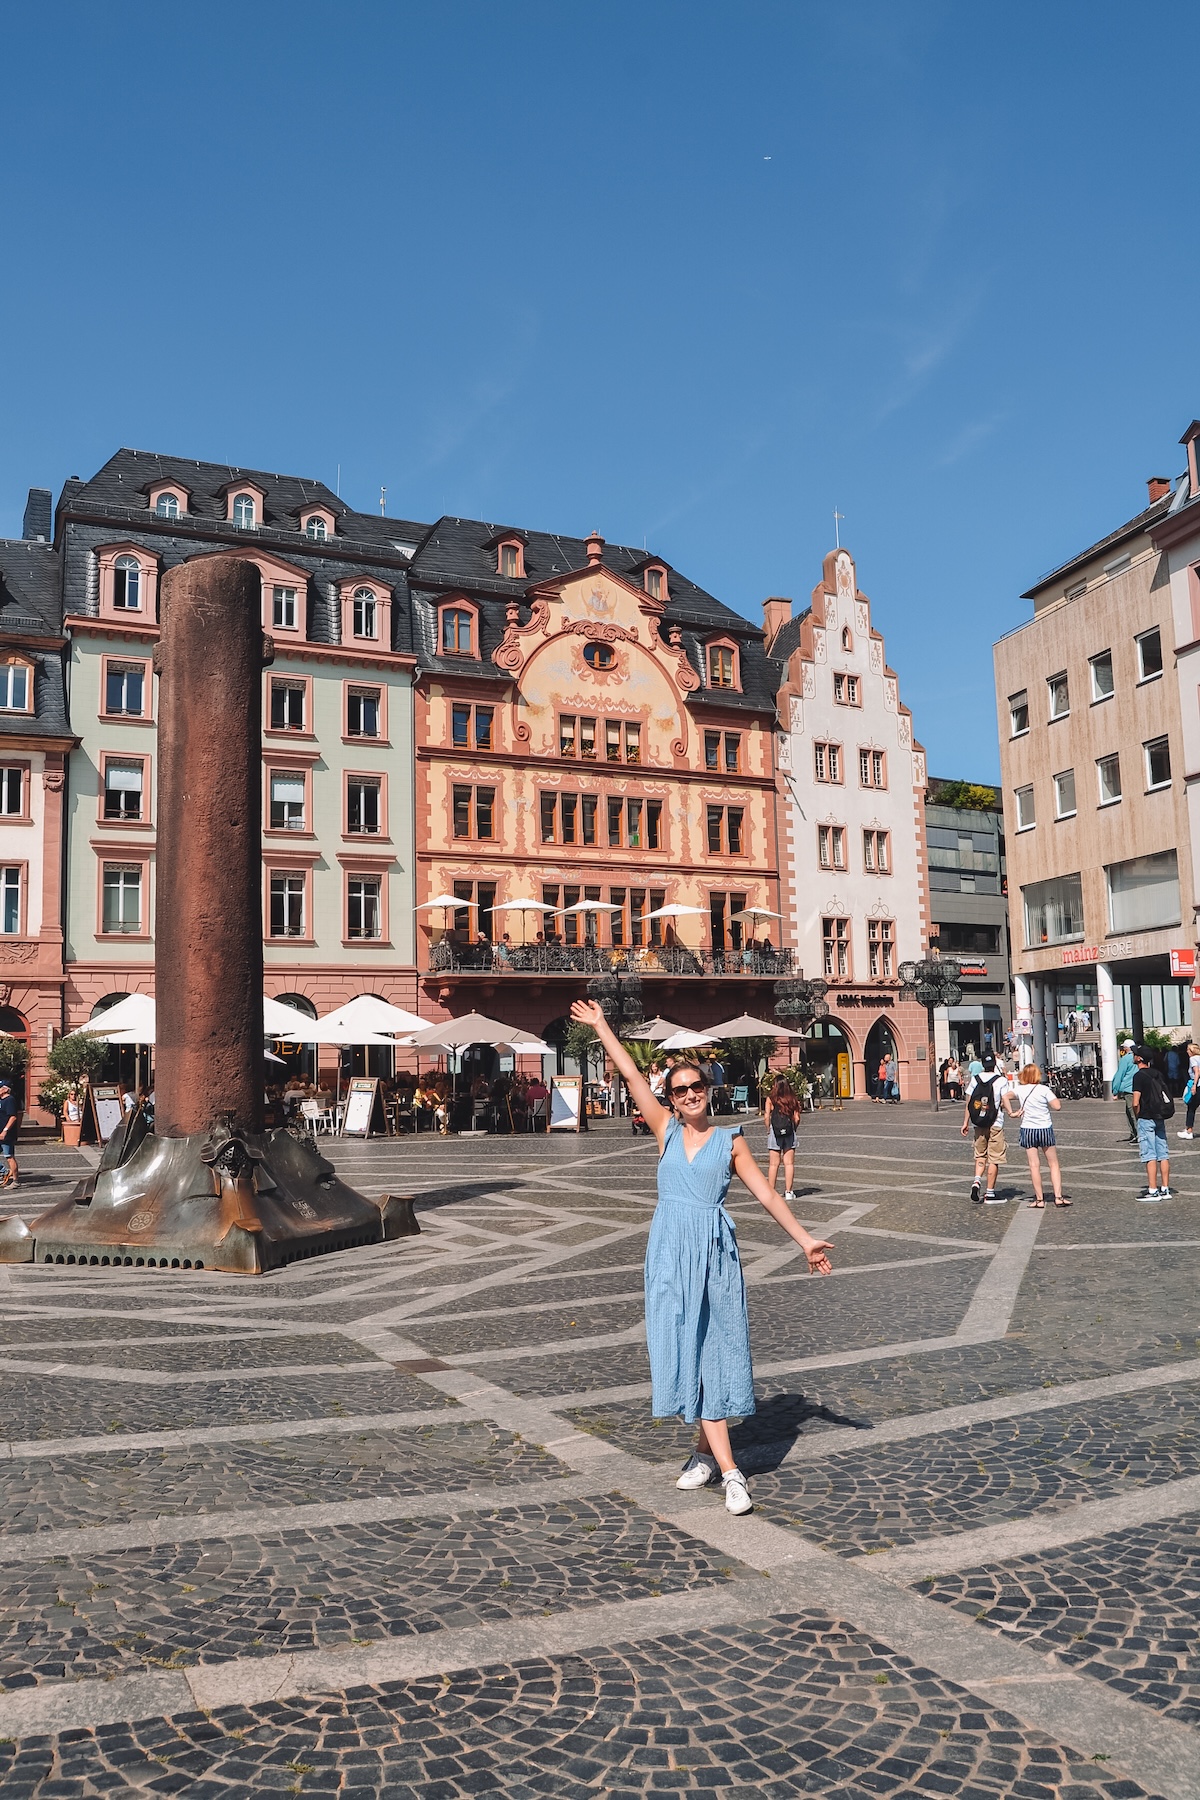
column 685, row 271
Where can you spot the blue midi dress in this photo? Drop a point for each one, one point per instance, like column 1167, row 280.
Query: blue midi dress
column 697, row 1330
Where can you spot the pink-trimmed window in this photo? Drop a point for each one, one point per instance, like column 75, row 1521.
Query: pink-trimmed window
column 244, row 502
column 125, row 688
column 457, row 629
column 366, row 613
column 124, row 897
column 289, row 902
column 16, row 685
column 289, row 704
column 289, row 800
column 168, row 501
column 128, row 583
column 366, row 805
column 125, row 789
column 317, row 523
column 654, row 580
column 721, row 660
column 14, row 888
column 364, row 711
column 14, row 793
column 510, row 559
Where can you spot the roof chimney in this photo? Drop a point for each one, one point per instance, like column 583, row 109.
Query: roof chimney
column 1158, row 487
column 594, row 546
column 38, row 509
column 776, row 614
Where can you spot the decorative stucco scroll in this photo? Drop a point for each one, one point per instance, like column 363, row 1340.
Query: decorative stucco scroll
column 510, row 654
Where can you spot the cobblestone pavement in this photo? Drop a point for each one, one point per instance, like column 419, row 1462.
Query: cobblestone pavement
column 399, row 1522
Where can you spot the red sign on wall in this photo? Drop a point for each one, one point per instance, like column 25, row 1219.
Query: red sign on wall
column 1183, row 964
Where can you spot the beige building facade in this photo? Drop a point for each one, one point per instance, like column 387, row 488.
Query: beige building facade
column 1091, row 750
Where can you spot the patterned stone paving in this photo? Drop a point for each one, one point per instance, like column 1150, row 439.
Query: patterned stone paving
column 220, row 1598
column 602, row 1634
column 199, row 1478
column 1125, row 1609
column 57, row 1406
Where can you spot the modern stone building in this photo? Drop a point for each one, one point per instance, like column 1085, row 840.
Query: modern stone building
column 856, row 893
column 1095, row 791
column 338, row 890
column 35, row 740
column 968, row 910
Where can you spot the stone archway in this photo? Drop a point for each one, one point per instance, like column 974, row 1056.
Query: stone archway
column 825, row 1042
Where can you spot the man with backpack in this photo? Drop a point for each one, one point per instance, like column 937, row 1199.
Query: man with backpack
column 1153, row 1106
column 984, row 1115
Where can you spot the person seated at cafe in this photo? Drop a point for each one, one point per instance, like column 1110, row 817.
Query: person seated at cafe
column 504, row 950
column 537, row 1095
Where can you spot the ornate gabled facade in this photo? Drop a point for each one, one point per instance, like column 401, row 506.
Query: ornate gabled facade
column 337, row 723
column 35, row 741
column 591, row 729
column 854, row 779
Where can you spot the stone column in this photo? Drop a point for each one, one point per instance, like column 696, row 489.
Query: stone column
column 1049, row 1015
column 1022, row 1013
column 208, row 911
column 1109, row 1055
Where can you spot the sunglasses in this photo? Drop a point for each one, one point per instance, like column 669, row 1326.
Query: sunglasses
column 691, row 1087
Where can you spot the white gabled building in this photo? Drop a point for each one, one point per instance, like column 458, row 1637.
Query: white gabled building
column 853, row 779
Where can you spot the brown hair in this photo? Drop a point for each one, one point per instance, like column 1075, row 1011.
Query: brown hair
column 1030, row 1075
column 676, row 1068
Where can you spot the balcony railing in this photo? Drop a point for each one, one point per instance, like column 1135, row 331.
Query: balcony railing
column 590, row 959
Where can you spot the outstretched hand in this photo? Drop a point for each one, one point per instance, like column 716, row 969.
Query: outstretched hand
column 818, row 1261
column 588, row 1012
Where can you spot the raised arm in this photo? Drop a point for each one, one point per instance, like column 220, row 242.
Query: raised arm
column 656, row 1115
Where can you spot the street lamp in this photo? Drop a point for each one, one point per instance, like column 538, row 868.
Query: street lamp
column 931, row 983
column 799, row 1002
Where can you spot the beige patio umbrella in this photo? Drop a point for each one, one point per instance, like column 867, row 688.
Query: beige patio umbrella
column 746, row 1025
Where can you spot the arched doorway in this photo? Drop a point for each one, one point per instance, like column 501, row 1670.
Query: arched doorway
column 15, row 1025
column 125, row 1065
column 824, row 1045
column 299, row 1060
column 880, row 1044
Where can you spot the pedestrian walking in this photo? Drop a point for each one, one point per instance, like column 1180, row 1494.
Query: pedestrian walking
column 697, row 1330
column 1153, row 1106
column 1122, row 1087
column 891, row 1080
column 9, row 1121
column 1191, row 1092
column 984, row 1114
column 880, row 1094
column 781, row 1115
column 1031, row 1101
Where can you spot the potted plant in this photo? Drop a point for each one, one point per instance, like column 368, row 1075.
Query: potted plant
column 76, row 1060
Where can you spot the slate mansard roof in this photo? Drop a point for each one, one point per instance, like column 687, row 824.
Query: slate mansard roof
column 459, row 555
column 421, row 563
column 31, row 622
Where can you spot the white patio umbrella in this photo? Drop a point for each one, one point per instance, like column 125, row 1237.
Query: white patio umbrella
column 675, row 909
column 448, row 903
column 529, row 1045
column 750, row 913
column 278, row 1018
column 686, row 1040
column 367, row 1012
column 524, row 904
column 593, row 906
column 653, row 1031
column 745, row 1025
column 130, row 1021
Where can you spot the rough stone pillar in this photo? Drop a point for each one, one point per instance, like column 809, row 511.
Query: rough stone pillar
column 208, row 911
column 1036, row 985
column 1109, row 1054
column 1049, row 1016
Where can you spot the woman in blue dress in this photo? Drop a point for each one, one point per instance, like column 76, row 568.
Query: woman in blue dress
column 697, row 1331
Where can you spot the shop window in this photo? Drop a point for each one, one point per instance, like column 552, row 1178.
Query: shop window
column 1143, row 894
column 1053, row 911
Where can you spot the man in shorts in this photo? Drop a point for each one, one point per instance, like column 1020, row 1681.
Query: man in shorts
column 990, row 1147
column 1150, row 1101
column 9, row 1119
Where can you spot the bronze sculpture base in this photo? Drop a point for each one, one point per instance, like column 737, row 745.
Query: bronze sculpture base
column 225, row 1199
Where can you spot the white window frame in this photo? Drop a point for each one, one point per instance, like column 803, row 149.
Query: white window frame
column 365, row 613
column 369, row 900
column 1015, row 703
column 1163, row 742
column 283, row 608
column 129, row 882
column 1061, row 811
column 10, row 893
column 1026, row 809
column 1141, row 640
column 1103, row 762
column 245, row 512
column 1053, row 683
column 1094, row 662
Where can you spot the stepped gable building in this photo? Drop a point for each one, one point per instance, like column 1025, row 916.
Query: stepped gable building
column 337, row 723
column 593, row 731
column 35, row 741
column 854, row 777
column 1096, row 789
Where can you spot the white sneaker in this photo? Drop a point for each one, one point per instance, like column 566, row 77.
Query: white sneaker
column 698, row 1472
column 737, row 1494
column 1183, row 1134
column 790, row 1195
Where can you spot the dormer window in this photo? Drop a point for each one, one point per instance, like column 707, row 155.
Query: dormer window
column 510, row 559
column 166, row 506
column 283, row 608
column 455, row 635
column 243, row 512
column 655, row 580
column 127, row 584
column 16, row 687
column 364, row 613
column 318, row 523
column 722, row 666
column 316, row 529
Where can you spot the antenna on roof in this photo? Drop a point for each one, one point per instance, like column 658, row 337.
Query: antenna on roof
column 382, row 501
column 837, row 536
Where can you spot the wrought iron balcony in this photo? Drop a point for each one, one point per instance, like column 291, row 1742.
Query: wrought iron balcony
column 591, row 959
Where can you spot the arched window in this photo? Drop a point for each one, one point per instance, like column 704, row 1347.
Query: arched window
column 456, row 631
column 317, row 530
column 508, row 561
column 364, row 613
column 654, row 584
column 599, row 656
column 298, row 1003
column 166, row 506
column 721, row 666
column 127, row 584
column 243, row 512
column 847, row 640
